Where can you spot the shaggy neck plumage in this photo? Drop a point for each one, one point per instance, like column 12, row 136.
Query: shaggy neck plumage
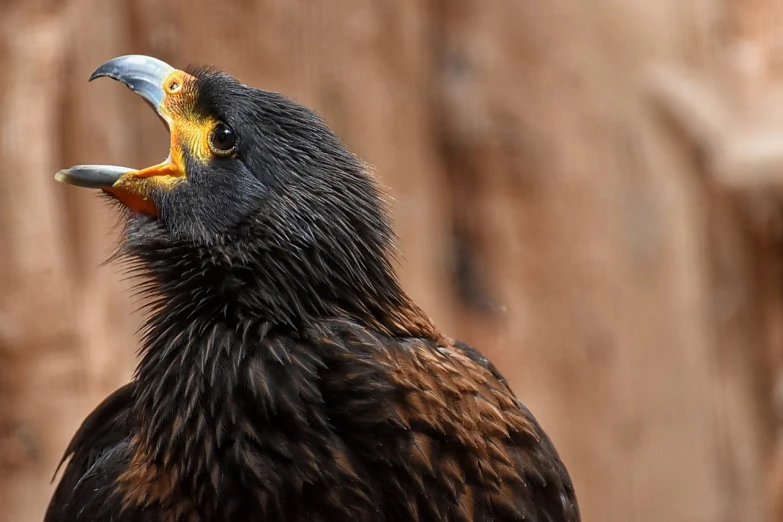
column 212, row 307
column 288, row 284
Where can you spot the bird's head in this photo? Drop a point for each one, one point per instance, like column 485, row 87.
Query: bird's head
column 256, row 188
column 238, row 157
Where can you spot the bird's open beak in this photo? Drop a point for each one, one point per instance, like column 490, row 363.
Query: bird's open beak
column 154, row 80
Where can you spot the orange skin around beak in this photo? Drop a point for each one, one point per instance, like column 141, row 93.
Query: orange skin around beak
column 172, row 93
column 133, row 189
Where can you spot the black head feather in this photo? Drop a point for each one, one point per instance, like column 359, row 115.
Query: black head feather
column 292, row 227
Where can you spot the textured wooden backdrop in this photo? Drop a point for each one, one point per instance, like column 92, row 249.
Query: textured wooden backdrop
column 587, row 191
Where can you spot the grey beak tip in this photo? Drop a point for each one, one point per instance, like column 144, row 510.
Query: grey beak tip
column 113, row 67
column 144, row 75
column 91, row 176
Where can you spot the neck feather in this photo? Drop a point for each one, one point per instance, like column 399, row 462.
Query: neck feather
column 214, row 308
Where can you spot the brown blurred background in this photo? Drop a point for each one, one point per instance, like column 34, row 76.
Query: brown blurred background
column 588, row 191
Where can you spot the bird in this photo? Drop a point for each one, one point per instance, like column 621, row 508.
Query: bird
column 283, row 372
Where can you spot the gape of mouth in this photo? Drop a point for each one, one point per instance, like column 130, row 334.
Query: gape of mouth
column 146, row 76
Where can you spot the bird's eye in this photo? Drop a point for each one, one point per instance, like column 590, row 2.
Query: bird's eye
column 222, row 140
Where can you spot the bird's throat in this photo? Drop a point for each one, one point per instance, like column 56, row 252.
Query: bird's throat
column 190, row 391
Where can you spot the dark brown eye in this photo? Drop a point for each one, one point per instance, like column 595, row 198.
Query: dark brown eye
column 222, row 140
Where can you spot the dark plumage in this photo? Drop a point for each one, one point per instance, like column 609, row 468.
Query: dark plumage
column 284, row 373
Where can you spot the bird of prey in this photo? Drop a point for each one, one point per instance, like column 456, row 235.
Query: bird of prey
column 284, row 374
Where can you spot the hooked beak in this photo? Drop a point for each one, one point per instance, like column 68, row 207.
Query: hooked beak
column 153, row 80
column 144, row 75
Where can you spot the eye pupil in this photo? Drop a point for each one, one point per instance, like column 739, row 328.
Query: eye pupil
column 222, row 139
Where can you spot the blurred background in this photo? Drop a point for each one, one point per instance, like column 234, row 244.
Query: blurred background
column 589, row 192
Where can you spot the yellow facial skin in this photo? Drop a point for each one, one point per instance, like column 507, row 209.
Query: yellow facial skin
column 189, row 131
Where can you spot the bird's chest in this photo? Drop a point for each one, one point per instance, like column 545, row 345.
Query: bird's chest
column 185, row 459
column 229, row 439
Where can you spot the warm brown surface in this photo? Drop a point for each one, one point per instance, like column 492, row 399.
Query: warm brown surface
column 559, row 206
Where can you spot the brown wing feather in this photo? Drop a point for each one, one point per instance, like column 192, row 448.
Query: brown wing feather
column 441, row 436
column 96, row 455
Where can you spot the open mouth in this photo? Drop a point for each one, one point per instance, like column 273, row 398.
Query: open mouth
column 156, row 82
